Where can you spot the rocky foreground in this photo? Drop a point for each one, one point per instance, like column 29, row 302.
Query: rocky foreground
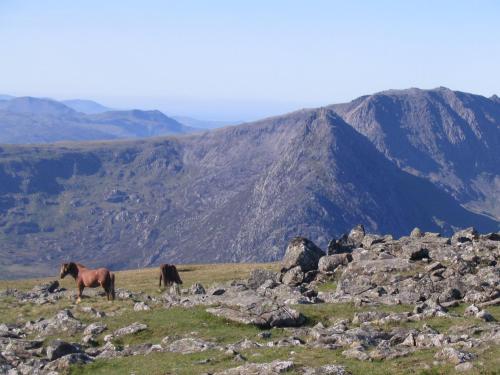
column 429, row 274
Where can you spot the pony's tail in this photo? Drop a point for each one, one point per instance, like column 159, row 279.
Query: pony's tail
column 113, row 286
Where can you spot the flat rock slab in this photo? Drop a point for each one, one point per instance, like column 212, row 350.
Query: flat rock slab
column 129, row 330
column 190, row 345
column 265, row 315
column 275, row 367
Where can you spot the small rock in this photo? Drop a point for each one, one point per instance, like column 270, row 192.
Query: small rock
column 329, row 263
column 465, row 235
column 131, row 329
column 293, row 276
column 95, row 329
column 259, row 277
column 141, row 306
column 453, row 355
column 485, row 315
column 264, row 335
column 416, row 233
column 197, row 288
column 57, row 349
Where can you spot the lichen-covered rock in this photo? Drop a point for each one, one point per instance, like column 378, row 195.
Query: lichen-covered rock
column 356, row 235
column 326, row 370
column 465, row 235
column 63, row 321
column 453, row 355
column 303, row 253
column 197, row 288
column 130, row 329
column 294, row 276
column 190, row 345
column 58, row 348
column 95, row 329
column 267, row 314
column 329, row 263
column 259, row 277
column 64, row 363
column 275, row 367
column 141, row 306
column 416, row 233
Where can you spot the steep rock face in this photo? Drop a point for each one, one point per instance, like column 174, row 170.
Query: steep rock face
column 236, row 194
column 450, row 138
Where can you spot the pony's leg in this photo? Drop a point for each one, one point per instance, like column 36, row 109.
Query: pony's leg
column 107, row 291
column 159, row 285
column 177, row 289
column 80, row 291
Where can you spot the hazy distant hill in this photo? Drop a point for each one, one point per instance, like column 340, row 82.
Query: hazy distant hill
column 451, row 138
column 234, row 194
column 86, row 106
column 36, row 120
column 204, row 124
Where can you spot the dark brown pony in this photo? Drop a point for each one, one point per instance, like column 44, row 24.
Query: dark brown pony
column 170, row 276
column 90, row 278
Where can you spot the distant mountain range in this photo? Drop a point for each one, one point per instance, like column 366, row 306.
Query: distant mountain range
column 37, row 120
column 391, row 161
column 44, row 120
column 88, row 107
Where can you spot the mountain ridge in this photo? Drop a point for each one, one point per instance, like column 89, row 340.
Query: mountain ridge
column 232, row 194
column 445, row 136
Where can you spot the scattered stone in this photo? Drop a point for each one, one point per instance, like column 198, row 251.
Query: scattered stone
column 465, row 235
column 197, row 288
column 63, row 364
column 293, row 276
column 357, row 352
column 265, row 315
column 260, row 276
column 129, row 330
column 57, row 349
column 275, row 367
column 329, row 263
column 141, row 306
column 95, row 329
column 416, row 233
column 326, row 370
column 63, row 321
column 486, row 316
column 264, row 335
column 453, row 355
column 190, row 345
column 218, row 291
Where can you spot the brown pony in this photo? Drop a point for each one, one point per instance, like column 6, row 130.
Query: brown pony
column 169, row 275
column 90, row 278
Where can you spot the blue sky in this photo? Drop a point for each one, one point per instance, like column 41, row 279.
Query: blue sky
column 232, row 60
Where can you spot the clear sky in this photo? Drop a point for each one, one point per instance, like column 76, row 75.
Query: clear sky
column 232, row 60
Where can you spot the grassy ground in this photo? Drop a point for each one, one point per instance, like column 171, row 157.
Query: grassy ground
column 196, row 322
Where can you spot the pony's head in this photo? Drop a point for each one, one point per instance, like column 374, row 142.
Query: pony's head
column 67, row 268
